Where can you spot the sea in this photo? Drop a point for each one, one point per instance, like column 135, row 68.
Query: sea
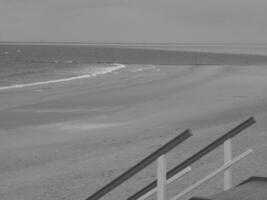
column 27, row 65
column 32, row 65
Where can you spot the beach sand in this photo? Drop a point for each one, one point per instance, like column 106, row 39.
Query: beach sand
column 66, row 140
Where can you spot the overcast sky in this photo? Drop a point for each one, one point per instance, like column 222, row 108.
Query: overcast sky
column 134, row 20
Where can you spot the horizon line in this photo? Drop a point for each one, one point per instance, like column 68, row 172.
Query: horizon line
column 129, row 43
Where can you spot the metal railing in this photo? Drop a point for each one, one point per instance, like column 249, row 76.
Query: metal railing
column 247, row 123
column 141, row 165
column 163, row 178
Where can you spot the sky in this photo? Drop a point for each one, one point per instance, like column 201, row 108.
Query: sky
column 148, row 21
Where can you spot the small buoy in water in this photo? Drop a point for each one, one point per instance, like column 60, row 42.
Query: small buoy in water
column 18, row 51
column 6, row 52
column 55, row 61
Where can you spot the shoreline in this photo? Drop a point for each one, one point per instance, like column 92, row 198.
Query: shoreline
column 84, row 76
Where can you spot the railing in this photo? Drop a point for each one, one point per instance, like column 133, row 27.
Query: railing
column 169, row 181
column 141, row 165
column 225, row 167
column 163, row 178
column 225, row 139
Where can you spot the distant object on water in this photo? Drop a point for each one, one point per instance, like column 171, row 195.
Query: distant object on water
column 6, row 52
column 18, row 51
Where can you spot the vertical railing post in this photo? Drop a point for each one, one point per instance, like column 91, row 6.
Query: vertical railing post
column 161, row 177
column 227, row 159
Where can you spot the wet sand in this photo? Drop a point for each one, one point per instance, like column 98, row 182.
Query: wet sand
column 64, row 141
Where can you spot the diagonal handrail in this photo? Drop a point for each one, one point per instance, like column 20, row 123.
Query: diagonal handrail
column 247, row 123
column 141, row 165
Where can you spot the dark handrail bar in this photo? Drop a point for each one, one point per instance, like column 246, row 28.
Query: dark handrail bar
column 197, row 156
column 141, row 165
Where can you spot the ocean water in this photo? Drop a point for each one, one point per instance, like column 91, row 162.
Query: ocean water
column 25, row 65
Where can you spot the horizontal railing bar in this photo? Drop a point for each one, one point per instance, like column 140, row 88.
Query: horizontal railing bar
column 169, row 181
column 179, row 175
column 247, row 123
column 213, row 174
column 141, row 165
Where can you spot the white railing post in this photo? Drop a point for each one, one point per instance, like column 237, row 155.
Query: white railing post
column 227, row 158
column 161, row 177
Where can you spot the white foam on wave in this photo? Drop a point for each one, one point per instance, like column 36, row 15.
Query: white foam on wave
column 101, row 71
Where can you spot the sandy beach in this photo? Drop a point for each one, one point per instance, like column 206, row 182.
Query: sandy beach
column 64, row 141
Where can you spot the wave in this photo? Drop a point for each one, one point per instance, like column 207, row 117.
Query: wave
column 102, row 71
